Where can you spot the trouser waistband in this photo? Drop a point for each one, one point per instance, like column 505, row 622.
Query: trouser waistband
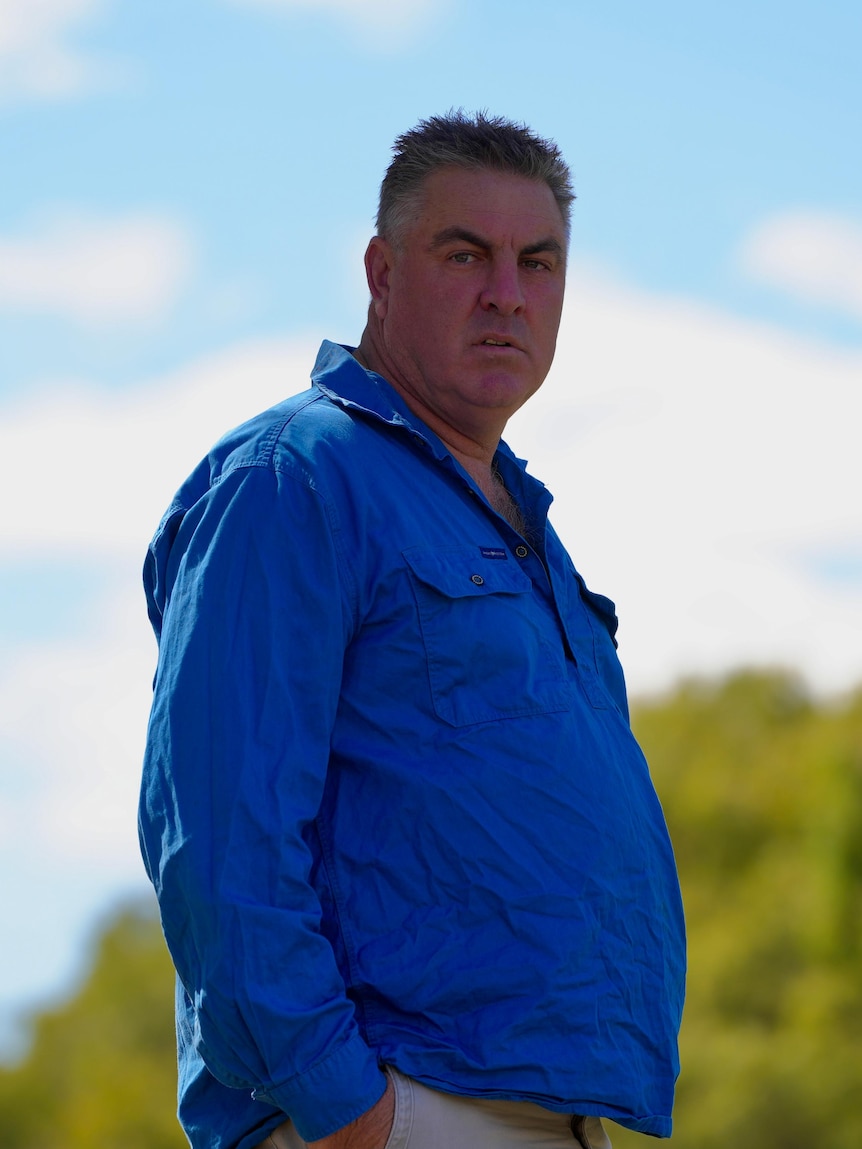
column 428, row 1119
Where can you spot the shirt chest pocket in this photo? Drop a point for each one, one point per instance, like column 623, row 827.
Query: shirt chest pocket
column 492, row 646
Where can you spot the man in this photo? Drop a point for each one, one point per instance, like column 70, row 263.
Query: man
column 412, row 871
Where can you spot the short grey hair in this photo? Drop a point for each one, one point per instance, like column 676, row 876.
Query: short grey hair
column 475, row 142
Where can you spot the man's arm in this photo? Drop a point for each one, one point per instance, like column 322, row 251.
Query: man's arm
column 256, row 612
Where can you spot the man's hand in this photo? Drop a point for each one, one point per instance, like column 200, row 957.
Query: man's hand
column 369, row 1131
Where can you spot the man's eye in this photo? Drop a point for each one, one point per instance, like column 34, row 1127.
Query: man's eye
column 534, row 264
column 462, row 257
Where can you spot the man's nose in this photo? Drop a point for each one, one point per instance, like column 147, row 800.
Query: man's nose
column 503, row 292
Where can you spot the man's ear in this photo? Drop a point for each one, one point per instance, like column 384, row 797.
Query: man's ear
column 378, row 267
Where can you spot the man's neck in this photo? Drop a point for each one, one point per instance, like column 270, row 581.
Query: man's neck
column 477, row 458
column 475, row 452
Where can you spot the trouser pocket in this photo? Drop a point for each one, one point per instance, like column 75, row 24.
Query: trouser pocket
column 590, row 1133
column 402, row 1122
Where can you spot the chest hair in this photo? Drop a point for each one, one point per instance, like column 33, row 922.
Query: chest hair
column 505, row 505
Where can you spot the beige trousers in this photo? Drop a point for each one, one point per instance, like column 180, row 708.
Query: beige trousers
column 427, row 1119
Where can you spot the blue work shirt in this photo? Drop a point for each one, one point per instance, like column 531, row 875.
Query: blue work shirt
column 392, row 807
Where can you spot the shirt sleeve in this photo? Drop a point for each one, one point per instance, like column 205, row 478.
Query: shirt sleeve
column 252, row 602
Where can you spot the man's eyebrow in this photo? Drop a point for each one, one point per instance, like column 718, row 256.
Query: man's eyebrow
column 459, row 234
column 550, row 245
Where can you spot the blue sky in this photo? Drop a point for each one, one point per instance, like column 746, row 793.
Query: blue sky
column 186, row 192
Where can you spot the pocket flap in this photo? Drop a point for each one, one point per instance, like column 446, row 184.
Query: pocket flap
column 462, row 572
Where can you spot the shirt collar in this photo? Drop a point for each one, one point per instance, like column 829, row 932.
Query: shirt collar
column 346, row 382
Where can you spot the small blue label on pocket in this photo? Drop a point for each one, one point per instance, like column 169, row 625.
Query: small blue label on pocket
column 493, row 553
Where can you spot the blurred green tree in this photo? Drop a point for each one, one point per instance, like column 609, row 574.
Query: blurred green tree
column 101, row 1068
column 762, row 790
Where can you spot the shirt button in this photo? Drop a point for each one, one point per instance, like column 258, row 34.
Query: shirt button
column 477, row 579
column 522, row 551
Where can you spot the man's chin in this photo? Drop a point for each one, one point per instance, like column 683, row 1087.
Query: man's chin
column 504, row 389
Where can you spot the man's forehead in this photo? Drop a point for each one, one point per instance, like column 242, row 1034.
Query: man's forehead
column 486, row 201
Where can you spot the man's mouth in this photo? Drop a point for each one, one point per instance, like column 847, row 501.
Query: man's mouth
column 495, row 343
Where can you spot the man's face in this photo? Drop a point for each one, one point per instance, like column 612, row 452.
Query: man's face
column 469, row 300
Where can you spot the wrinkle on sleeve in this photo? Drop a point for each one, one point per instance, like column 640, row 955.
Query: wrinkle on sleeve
column 252, row 602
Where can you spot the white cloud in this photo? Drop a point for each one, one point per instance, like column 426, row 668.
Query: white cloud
column 815, row 257
column 35, row 59
column 696, row 460
column 110, row 461
column 81, row 764
column 91, row 473
column 702, row 466
column 72, row 721
column 385, row 24
column 95, row 270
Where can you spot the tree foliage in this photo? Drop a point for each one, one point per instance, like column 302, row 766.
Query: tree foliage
column 101, row 1070
column 762, row 789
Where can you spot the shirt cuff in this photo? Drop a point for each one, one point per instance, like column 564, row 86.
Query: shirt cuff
column 334, row 1092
